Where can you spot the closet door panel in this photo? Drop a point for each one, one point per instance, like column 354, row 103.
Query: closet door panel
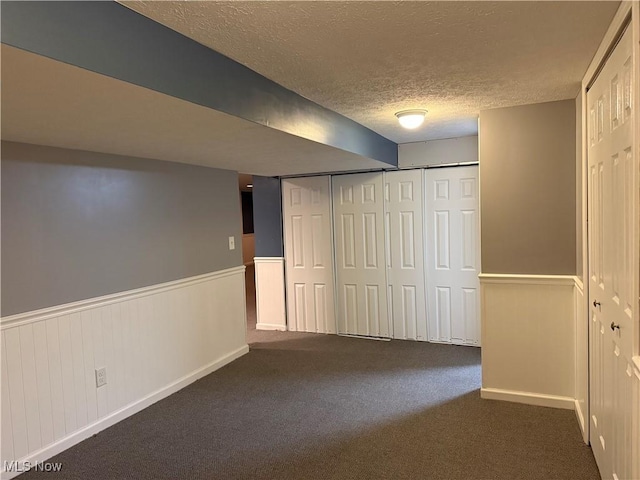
column 405, row 254
column 306, row 206
column 452, row 255
column 358, row 209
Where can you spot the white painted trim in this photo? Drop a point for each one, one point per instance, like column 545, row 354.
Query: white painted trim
column 636, row 364
column 528, row 398
column 581, row 420
column 68, row 308
column 135, row 407
column 271, row 326
column 268, row 259
column 581, row 346
column 520, row 279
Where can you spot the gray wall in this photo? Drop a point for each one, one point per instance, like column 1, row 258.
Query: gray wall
column 438, row 152
column 528, row 189
column 77, row 225
column 267, row 217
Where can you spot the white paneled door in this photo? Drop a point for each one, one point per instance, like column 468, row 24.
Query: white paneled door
column 306, row 205
column 452, row 255
column 358, row 205
column 405, row 254
column 612, row 272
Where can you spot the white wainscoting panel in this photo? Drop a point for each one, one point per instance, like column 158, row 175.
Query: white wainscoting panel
column 270, row 295
column 582, row 360
column 528, row 339
column 152, row 341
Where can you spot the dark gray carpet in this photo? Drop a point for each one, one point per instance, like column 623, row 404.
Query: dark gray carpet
column 302, row 406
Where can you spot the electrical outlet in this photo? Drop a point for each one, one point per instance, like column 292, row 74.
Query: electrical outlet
column 101, row 376
column 232, row 243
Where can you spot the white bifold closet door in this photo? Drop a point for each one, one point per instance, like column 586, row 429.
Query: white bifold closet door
column 358, row 205
column 405, row 254
column 306, row 207
column 453, row 255
column 613, row 287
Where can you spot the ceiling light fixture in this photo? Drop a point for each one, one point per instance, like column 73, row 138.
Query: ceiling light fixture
column 249, row 185
column 411, row 119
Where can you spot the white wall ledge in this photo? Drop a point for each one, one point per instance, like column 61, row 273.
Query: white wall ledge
column 506, row 278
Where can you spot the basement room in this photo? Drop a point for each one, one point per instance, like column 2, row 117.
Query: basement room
column 320, row 240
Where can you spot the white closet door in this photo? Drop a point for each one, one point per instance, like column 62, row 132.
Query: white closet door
column 453, row 255
column 306, row 206
column 405, row 254
column 358, row 205
column 613, row 268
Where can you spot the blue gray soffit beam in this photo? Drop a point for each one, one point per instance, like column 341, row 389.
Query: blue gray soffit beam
column 110, row 39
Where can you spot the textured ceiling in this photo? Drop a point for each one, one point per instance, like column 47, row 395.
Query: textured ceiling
column 367, row 60
column 46, row 102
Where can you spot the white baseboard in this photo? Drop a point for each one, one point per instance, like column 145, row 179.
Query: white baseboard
column 528, row 398
column 271, row 326
column 579, row 416
column 115, row 417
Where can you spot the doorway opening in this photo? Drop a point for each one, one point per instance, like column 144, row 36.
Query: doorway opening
column 245, row 184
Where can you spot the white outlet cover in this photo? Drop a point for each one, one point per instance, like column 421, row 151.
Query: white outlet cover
column 232, row 243
column 101, row 376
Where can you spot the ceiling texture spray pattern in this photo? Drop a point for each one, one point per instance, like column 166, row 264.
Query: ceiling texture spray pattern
column 368, row 60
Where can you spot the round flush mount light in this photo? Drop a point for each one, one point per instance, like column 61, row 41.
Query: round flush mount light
column 411, row 119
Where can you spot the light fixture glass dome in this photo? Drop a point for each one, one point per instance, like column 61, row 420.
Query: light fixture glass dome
column 411, row 119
